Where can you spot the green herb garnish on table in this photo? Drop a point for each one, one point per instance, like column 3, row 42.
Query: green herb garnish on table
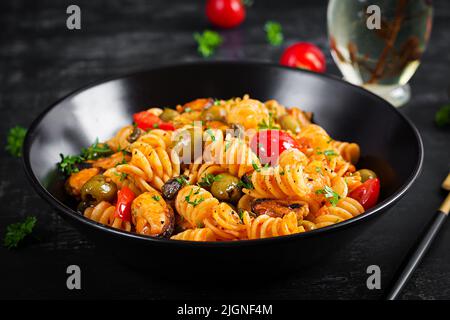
column 208, row 42
column 16, row 232
column 15, row 140
column 442, row 117
column 274, row 33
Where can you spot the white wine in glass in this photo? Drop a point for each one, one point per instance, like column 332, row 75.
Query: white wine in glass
column 382, row 55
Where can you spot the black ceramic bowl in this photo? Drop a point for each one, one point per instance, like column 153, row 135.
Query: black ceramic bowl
column 390, row 145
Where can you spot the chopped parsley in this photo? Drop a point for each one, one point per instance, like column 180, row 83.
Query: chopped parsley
column 95, row 151
column 207, row 42
column 182, row 180
column 208, row 180
column 217, row 102
column 442, row 117
column 330, row 194
column 211, row 134
column 268, row 125
column 15, row 139
column 68, row 164
column 274, row 33
column 196, row 202
column 16, row 232
column 156, row 198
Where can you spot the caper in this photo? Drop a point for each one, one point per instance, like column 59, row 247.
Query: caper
column 97, row 189
column 168, row 115
column 366, row 174
column 289, row 122
column 214, row 113
column 226, row 188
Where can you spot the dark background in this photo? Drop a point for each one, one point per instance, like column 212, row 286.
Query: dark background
column 41, row 61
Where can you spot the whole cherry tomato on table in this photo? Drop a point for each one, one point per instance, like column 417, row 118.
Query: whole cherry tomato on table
column 146, row 120
column 305, row 56
column 269, row 144
column 225, row 13
column 367, row 194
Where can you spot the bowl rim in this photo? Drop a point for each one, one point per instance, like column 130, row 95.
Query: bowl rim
column 62, row 208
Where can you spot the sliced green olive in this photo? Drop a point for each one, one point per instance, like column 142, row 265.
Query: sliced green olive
column 214, row 113
column 226, row 188
column 289, row 122
column 97, row 189
column 168, row 115
column 366, row 174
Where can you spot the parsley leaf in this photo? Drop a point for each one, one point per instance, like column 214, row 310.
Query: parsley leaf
column 330, row 194
column 67, row 165
column 207, row 41
column 95, row 151
column 268, row 125
column 208, row 180
column 274, row 33
column 442, row 117
column 196, row 201
column 211, row 135
column 246, row 182
column 156, row 198
column 15, row 139
column 16, row 232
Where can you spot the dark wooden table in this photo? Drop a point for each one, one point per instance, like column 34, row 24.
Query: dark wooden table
column 40, row 61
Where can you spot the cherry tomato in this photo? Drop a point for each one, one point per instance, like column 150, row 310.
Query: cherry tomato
column 269, row 144
column 146, row 120
column 367, row 194
column 225, row 13
column 305, row 56
column 123, row 207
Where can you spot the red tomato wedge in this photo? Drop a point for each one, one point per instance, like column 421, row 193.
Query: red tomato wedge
column 367, row 194
column 123, row 207
column 146, row 120
column 304, row 55
column 269, row 144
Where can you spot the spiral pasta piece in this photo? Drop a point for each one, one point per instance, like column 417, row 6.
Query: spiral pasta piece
column 199, row 234
column 349, row 151
column 286, row 182
column 157, row 138
column 238, row 158
column 150, row 166
column 104, row 213
column 123, row 180
column 225, row 223
column 265, row 226
column 345, row 209
column 247, row 112
column 195, row 204
column 120, row 140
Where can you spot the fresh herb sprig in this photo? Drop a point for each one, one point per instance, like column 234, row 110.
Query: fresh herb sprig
column 15, row 140
column 274, row 33
column 270, row 124
column 208, row 180
column 196, row 201
column 68, row 164
column 96, row 150
column 330, row 194
column 16, row 232
column 442, row 117
column 208, row 42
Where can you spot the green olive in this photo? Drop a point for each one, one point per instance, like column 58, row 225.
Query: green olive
column 214, row 113
column 366, row 174
column 189, row 144
column 97, row 189
column 168, row 115
column 288, row 122
column 226, row 188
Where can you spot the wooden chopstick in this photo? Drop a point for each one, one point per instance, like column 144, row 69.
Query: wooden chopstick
column 418, row 251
